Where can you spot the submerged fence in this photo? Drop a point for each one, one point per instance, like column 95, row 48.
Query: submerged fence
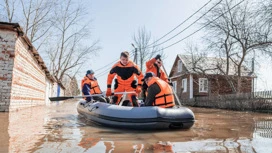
column 264, row 128
column 255, row 101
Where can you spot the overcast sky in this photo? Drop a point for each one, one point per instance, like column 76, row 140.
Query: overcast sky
column 115, row 22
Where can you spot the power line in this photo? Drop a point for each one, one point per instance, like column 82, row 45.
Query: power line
column 106, row 65
column 163, row 35
column 108, row 69
column 180, row 23
column 200, row 28
column 187, row 26
column 110, row 63
column 102, row 73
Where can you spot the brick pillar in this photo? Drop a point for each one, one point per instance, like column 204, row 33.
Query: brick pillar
column 7, row 47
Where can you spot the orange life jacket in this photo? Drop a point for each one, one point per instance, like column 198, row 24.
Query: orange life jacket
column 150, row 67
column 95, row 89
column 165, row 98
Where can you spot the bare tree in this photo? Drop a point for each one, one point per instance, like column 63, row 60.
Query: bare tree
column 142, row 40
column 37, row 19
column 68, row 52
column 237, row 33
column 33, row 15
column 71, row 86
column 265, row 11
column 8, row 9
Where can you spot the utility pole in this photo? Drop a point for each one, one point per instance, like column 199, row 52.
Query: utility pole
column 252, row 71
column 135, row 55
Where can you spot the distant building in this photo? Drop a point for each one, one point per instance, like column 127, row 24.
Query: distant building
column 24, row 79
column 206, row 76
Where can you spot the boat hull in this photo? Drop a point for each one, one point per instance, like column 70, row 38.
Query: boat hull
column 137, row 117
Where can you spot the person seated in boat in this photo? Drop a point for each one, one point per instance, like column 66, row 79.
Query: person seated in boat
column 159, row 92
column 125, row 72
column 155, row 65
column 90, row 86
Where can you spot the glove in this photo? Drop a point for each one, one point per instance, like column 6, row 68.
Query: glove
column 158, row 57
column 108, row 93
column 138, row 89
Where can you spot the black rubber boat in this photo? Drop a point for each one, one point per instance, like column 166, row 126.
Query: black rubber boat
column 136, row 117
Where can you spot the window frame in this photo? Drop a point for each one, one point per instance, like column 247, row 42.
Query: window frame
column 184, row 85
column 202, row 85
column 180, row 66
column 174, row 85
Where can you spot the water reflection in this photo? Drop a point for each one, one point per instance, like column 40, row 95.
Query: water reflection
column 4, row 136
column 58, row 128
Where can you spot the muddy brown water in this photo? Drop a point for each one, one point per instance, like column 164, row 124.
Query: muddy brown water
column 58, row 128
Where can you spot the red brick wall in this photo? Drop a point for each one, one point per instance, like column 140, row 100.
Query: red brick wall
column 219, row 85
column 7, row 46
column 28, row 83
column 179, row 90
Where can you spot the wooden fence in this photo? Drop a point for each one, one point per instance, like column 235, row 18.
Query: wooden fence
column 255, row 101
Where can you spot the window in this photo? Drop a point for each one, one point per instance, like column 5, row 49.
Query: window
column 184, row 85
column 203, row 85
column 179, row 66
column 175, row 86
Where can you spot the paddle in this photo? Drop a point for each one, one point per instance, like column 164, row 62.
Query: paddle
column 175, row 94
column 72, row 97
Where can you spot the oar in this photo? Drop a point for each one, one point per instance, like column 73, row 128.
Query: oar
column 72, row 97
column 175, row 94
column 124, row 96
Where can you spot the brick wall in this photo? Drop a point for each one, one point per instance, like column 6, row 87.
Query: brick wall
column 28, row 83
column 24, row 79
column 7, row 47
column 219, row 85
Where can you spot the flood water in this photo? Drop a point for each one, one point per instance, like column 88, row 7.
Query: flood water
column 58, row 128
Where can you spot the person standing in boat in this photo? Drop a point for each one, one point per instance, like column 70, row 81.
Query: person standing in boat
column 89, row 86
column 155, row 65
column 159, row 92
column 125, row 72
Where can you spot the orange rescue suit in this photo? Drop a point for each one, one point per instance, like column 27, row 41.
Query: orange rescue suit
column 150, row 67
column 125, row 78
column 165, row 98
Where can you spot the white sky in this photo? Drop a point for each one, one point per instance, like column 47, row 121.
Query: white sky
column 115, row 22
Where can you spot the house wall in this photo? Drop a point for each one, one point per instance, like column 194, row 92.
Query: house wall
column 7, row 49
column 175, row 69
column 28, row 83
column 183, row 74
column 48, row 92
column 180, row 93
column 219, row 86
column 196, row 86
column 23, row 82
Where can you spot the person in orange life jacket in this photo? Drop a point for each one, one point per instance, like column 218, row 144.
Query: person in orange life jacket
column 155, row 65
column 125, row 72
column 89, row 86
column 159, row 92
